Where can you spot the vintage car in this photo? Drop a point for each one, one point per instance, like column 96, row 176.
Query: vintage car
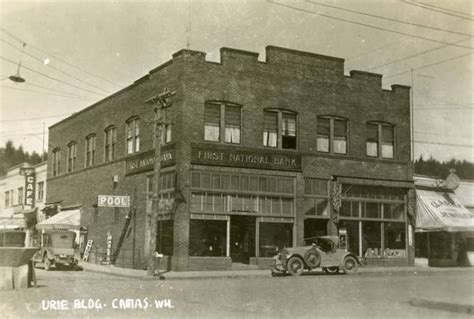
column 323, row 252
column 58, row 249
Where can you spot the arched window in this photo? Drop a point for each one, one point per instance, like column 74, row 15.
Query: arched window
column 380, row 140
column 110, row 143
column 71, row 156
column 133, row 135
column 331, row 134
column 279, row 129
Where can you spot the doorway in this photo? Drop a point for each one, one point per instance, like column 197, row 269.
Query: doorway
column 242, row 238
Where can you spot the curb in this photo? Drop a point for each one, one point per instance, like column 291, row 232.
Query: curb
column 451, row 307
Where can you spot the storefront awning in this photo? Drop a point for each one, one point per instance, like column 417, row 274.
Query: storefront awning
column 12, row 223
column 69, row 219
column 441, row 211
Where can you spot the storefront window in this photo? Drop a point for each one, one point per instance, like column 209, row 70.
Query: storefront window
column 352, row 228
column 164, row 239
column 273, row 237
column 207, row 238
column 315, row 227
column 371, row 239
column 394, row 240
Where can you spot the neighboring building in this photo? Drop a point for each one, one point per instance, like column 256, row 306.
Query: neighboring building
column 261, row 155
column 465, row 194
column 444, row 225
column 22, row 199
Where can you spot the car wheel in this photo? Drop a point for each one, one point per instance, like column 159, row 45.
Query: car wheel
column 312, row 257
column 331, row 270
column 350, row 265
column 295, row 266
column 47, row 264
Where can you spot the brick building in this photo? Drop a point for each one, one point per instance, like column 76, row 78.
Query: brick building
column 262, row 155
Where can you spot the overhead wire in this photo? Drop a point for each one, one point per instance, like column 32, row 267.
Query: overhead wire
column 36, row 118
column 52, row 78
column 389, row 19
column 55, row 68
column 369, row 25
column 46, row 93
column 447, row 144
column 446, row 9
column 428, row 65
column 60, row 92
column 59, row 59
column 437, row 9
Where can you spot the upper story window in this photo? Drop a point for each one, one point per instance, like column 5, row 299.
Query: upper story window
column 331, row 135
column 40, row 196
column 20, row 195
column 380, row 140
column 56, row 161
column 7, row 199
column 279, row 129
column 222, row 119
column 90, row 150
column 71, row 156
column 110, row 143
column 133, row 135
column 166, row 134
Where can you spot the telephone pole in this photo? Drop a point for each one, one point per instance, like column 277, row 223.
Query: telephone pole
column 160, row 104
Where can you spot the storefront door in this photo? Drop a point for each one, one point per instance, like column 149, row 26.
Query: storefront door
column 242, row 238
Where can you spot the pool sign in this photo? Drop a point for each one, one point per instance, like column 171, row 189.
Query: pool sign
column 113, row 201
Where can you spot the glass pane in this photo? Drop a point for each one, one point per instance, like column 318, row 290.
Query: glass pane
column 387, row 150
column 372, row 132
column 387, row 134
column 232, row 115
column 322, row 126
column 212, row 114
column 196, row 202
column 289, row 186
column 352, row 228
column 216, row 181
column 205, row 180
column 322, row 144
column 211, row 132
column 309, row 206
column 307, row 186
column 340, row 146
column 289, row 124
column 272, row 185
column 164, row 240
column 232, row 134
column 372, row 149
column 345, row 209
column 288, row 142
column 253, row 183
column 270, row 121
column 273, row 237
column 398, row 211
column 270, row 138
column 262, row 184
column 322, row 207
column 235, row 182
column 340, row 128
column 287, row 206
column 394, row 239
column 276, row 205
column 371, row 239
column 244, row 183
column 195, row 180
column 207, row 238
column 372, row 210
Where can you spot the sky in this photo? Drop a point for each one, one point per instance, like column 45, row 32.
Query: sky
column 78, row 52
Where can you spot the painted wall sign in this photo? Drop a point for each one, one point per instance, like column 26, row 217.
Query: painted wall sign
column 30, row 186
column 146, row 161
column 264, row 159
column 113, row 201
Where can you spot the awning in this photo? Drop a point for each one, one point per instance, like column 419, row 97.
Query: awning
column 69, row 219
column 12, row 223
column 441, row 211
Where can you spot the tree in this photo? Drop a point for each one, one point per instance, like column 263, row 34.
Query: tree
column 11, row 156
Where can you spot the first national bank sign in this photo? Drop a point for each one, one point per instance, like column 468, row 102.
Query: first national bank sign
column 263, row 159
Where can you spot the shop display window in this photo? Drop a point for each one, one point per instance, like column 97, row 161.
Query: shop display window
column 207, row 238
column 394, row 241
column 164, row 238
column 352, row 228
column 315, row 227
column 273, row 237
column 371, row 240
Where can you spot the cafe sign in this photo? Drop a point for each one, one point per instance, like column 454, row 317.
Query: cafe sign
column 249, row 158
column 146, row 161
column 30, row 185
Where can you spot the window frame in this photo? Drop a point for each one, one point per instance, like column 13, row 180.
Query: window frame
column 7, row 199
column 133, row 123
column 40, row 195
column 332, row 134
column 110, row 143
column 280, row 131
column 71, row 156
column 380, row 139
column 20, row 196
column 223, row 122
column 91, row 141
column 55, row 168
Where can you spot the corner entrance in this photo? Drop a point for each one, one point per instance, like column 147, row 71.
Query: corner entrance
column 242, row 238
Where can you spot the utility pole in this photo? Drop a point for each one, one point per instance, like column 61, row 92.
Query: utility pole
column 160, row 104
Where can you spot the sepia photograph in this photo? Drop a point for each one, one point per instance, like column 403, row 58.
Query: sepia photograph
column 236, row 159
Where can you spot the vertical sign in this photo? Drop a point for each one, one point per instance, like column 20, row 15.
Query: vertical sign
column 30, row 183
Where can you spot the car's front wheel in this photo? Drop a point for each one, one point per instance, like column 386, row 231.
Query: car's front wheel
column 295, row 266
column 350, row 265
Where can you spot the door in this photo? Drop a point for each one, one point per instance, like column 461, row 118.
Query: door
column 242, row 238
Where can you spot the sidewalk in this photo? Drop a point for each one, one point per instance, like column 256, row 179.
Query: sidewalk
column 173, row 275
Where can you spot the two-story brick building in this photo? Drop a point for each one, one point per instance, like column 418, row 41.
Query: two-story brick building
column 263, row 155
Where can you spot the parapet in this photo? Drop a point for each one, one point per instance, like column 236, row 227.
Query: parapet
column 372, row 78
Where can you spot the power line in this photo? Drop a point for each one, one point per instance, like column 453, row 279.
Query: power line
column 437, row 9
column 55, row 68
column 412, row 56
column 59, row 59
column 428, row 65
column 444, row 104
column 46, row 93
column 23, row 130
column 446, row 9
column 388, row 19
column 36, row 118
column 60, row 92
column 443, row 108
column 446, row 144
column 369, row 25
column 50, row 77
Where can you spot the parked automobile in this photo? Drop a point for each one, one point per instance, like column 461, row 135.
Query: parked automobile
column 323, row 252
column 58, row 249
